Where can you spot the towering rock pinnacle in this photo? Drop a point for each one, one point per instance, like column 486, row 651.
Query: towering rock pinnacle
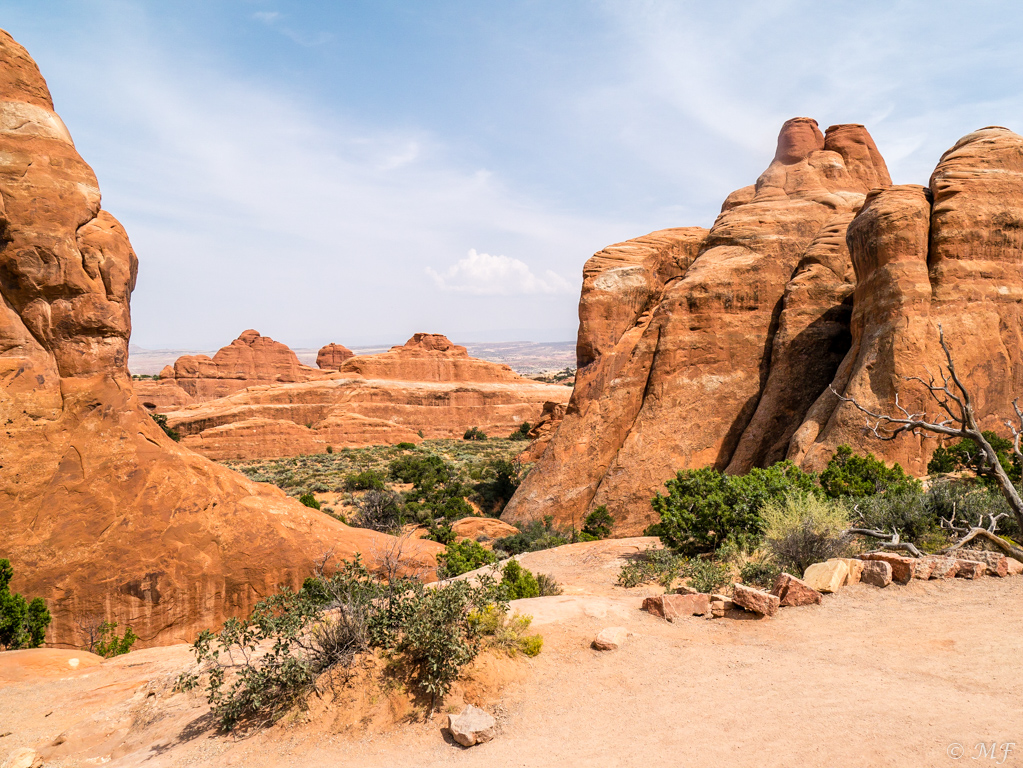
column 679, row 374
column 100, row 513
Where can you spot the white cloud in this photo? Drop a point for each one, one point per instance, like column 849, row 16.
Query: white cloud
column 267, row 17
column 484, row 275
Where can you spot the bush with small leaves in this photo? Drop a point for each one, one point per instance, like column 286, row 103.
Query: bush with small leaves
column 161, row 420
column 548, row 585
column 474, row 433
column 379, row 511
column 704, row 507
column 532, row 537
column 522, row 433
column 109, row 644
column 759, row 573
column 517, row 582
column 706, row 575
column 406, row 446
column 848, row 474
column 652, row 565
column 23, row 622
column 462, row 557
column 367, row 480
column 598, row 524
column 802, row 529
column 309, row 500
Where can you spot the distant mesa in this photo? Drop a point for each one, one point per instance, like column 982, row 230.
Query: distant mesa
column 103, row 515
column 428, row 387
column 332, row 356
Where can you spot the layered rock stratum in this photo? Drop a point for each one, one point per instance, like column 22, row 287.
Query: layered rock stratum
column 101, row 513
column 426, row 388
column 720, row 348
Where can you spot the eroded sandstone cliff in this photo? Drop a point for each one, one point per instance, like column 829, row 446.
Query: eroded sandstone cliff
column 100, row 513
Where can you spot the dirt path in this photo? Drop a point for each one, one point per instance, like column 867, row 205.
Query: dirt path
column 870, row 678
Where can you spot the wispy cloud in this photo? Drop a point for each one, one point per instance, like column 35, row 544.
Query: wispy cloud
column 274, row 18
column 485, row 275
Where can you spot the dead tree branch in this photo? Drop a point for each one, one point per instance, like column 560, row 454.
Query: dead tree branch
column 957, row 419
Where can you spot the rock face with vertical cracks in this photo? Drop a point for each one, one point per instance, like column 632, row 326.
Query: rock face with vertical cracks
column 100, row 513
column 694, row 368
column 948, row 255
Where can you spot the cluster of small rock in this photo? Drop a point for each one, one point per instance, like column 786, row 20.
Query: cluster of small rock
column 878, row 569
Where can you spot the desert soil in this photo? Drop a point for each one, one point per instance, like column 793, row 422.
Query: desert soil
column 872, row 677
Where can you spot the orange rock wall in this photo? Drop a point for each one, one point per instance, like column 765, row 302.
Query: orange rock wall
column 100, row 513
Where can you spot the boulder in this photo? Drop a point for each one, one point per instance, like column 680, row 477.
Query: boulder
column 792, row 591
column 754, row 600
column 720, row 605
column 610, row 639
column 23, row 758
column 855, row 569
column 903, row 568
column 970, row 569
column 924, row 568
column 1013, row 567
column 942, row 567
column 332, row 357
column 472, row 726
column 997, row 563
column 828, row 576
column 671, row 607
column 149, row 534
column 876, row 573
column 481, row 529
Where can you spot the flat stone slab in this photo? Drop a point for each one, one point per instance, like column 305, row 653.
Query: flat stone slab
column 671, row 607
column 755, row 600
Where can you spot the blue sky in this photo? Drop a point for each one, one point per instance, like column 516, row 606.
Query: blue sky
column 359, row 171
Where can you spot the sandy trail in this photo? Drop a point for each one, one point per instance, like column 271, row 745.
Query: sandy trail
column 870, row 678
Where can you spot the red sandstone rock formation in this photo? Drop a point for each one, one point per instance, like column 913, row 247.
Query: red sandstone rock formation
column 427, row 388
column 672, row 369
column 332, row 356
column 102, row 514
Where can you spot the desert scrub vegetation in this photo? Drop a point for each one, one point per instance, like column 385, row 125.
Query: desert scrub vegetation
column 463, row 557
column 23, row 622
column 777, row 518
column 386, row 487
column 296, row 643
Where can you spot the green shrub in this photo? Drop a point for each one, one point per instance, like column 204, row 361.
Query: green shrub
column 496, row 488
column 23, row 622
column 517, row 582
column 522, row 433
column 108, row 644
column 652, row 565
column 406, row 446
column 760, row 574
column 598, row 524
column 802, row 529
column 462, row 557
column 379, row 511
column 309, row 500
column 507, row 633
column 532, row 537
column 966, row 454
column 258, row 668
column 367, row 480
column 423, row 472
column 474, row 433
column 850, row 475
column 442, row 534
column 705, row 575
column 440, row 637
column 703, row 507
column 161, row 420
column 547, row 585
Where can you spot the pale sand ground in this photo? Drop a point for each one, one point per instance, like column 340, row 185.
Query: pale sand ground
column 870, row 678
